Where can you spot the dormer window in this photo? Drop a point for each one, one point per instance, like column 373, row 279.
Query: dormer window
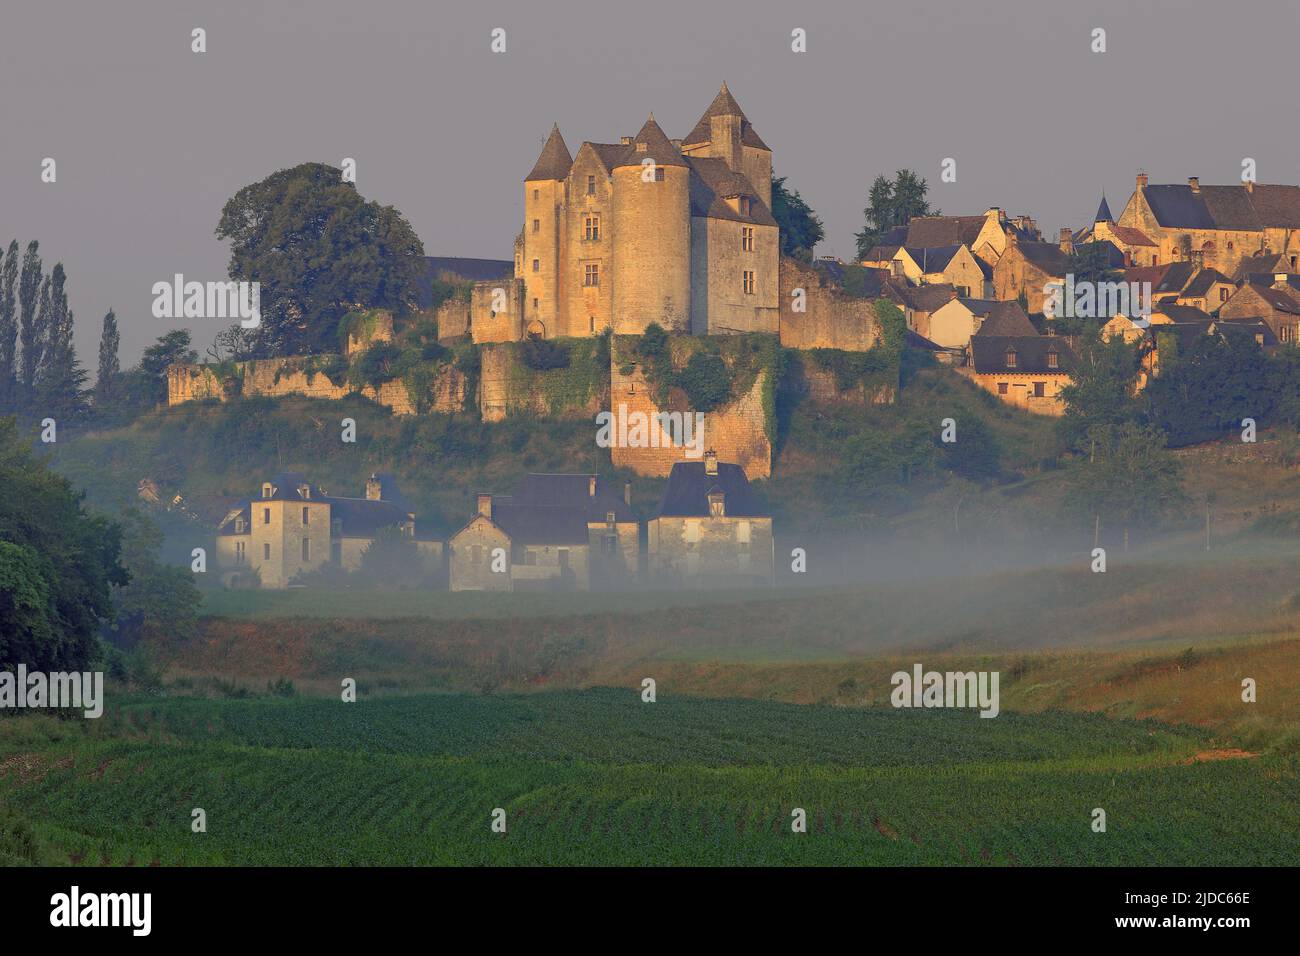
column 241, row 526
column 1053, row 359
column 1011, row 358
column 717, row 504
column 609, row 517
column 267, row 490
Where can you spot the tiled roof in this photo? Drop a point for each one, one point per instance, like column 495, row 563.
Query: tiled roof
column 572, row 491
column 1203, row 281
column 1182, row 313
column 713, row 183
column 1047, row 256
column 1002, row 318
column 656, row 145
column 922, row 298
column 529, row 524
column 934, row 231
column 555, row 159
column 1224, row 207
column 1131, row 236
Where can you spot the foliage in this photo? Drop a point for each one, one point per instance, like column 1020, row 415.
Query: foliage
column 543, row 354
column 391, row 561
column 1129, row 478
column 800, row 227
column 319, row 250
column 1207, row 392
column 892, row 203
column 58, row 557
column 375, row 365
column 160, row 603
column 1100, row 391
column 706, row 381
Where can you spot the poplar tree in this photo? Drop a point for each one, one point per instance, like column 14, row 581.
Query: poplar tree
column 29, row 290
column 109, row 368
column 8, row 325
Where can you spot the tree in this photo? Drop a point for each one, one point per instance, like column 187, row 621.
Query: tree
column 1100, row 390
column 1207, row 391
column 1130, row 479
column 318, row 250
column 57, row 564
column 234, row 343
column 61, row 378
column 976, row 454
column 8, row 326
column 146, row 384
column 800, row 227
column 891, row 204
column 161, row 601
column 391, row 560
column 29, row 334
column 109, row 367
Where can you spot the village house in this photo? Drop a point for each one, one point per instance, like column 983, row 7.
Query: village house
column 1027, row 268
column 295, row 527
column 1134, row 245
column 1223, row 223
column 918, row 302
column 1277, row 303
column 1027, row 371
column 986, row 236
column 951, row 265
column 953, row 323
column 555, row 532
column 709, row 529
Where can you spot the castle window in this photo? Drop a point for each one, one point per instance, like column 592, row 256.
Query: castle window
column 266, row 552
column 747, row 280
column 537, row 265
column 1011, row 358
column 266, row 516
column 536, row 193
column 1053, row 359
column 591, row 323
column 591, row 277
column 306, row 549
column 591, row 185
column 593, row 228
column 304, row 517
column 1230, row 246
column 537, row 225
column 747, row 238
column 534, row 302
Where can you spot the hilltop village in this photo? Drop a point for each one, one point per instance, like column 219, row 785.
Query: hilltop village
column 642, row 259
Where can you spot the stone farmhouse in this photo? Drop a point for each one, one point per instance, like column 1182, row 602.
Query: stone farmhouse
column 1027, row 371
column 296, row 527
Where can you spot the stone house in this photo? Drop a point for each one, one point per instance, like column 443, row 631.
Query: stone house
column 1277, row 303
column 952, row 265
column 919, row 303
column 1027, row 371
column 295, row 527
column 1027, row 268
column 710, row 529
column 953, row 323
column 1134, row 245
column 986, row 236
column 556, row 532
column 1223, row 223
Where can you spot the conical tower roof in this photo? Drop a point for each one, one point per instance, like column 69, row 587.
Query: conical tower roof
column 724, row 104
column 555, row 160
column 1103, row 211
column 657, row 147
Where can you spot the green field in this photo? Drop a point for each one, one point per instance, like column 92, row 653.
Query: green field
column 599, row 777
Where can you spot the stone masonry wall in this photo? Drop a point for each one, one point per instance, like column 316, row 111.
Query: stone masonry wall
column 832, row 319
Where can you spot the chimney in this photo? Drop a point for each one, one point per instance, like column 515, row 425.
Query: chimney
column 1142, row 181
column 1198, row 259
column 374, row 489
column 1281, row 278
column 1250, row 185
column 1067, row 240
column 627, row 493
column 485, row 506
column 711, row 462
column 1195, row 183
column 625, row 140
column 952, row 294
column 591, row 486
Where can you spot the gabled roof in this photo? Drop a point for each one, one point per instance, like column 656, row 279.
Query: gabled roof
column 555, row 159
column 1182, row 313
column 1251, row 325
column 881, row 253
column 714, row 182
column 1224, row 207
column 362, row 518
column 529, row 524
column 1283, row 300
column 989, row 354
column 1001, row 318
column 933, row 258
column 1185, row 333
column 1175, row 278
column 689, row 487
column 1047, row 256
column 1153, row 274
column 1268, row 264
column 724, row 104
column 572, row 491
column 651, row 143
column 922, row 298
column 935, row 231
column 1130, row 236
column 1203, row 281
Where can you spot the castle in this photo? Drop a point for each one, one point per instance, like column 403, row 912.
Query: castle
column 648, row 229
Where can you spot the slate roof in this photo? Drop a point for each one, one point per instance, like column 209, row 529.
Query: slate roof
column 933, row 258
column 555, row 159
column 1203, row 281
column 1252, row 325
column 1183, row 313
column 881, row 253
column 362, row 517
column 1186, row 333
column 1153, row 274
column 529, row 524
column 1002, row 318
column 572, row 491
column 1224, row 207
column 724, row 104
column 988, row 354
column 714, row 183
column 1047, row 256
column 687, row 494
column 1268, row 265
column 657, row 147
column 1283, row 300
column 921, row 298
column 1175, row 278
column 1103, row 211
column 935, row 231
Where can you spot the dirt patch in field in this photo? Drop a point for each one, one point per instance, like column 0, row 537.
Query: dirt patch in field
column 1225, row 754
column 884, row 829
column 31, row 768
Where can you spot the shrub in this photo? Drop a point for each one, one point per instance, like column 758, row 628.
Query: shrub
column 374, row 365
column 543, row 354
column 706, row 381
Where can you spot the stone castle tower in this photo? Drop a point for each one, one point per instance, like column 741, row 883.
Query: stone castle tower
column 649, row 229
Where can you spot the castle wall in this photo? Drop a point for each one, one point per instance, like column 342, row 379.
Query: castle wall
column 544, row 204
column 488, row 322
column 587, row 310
column 509, row 387
column 719, row 303
column 832, row 318
column 756, row 164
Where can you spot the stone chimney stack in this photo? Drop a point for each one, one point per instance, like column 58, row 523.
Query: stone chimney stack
column 1195, row 183
column 485, row 506
column 711, row 462
column 1142, row 181
column 374, row 489
column 1067, row 240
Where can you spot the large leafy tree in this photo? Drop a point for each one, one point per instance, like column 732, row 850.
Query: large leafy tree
column 1130, row 479
column 1100, row 390
column 892, row 203
column 319, row 250
column 801, row 228
column 1212, row 386
column 161, row 602
column 58, row 564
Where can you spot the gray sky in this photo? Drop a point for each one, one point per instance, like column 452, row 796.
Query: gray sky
column 151, row 139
